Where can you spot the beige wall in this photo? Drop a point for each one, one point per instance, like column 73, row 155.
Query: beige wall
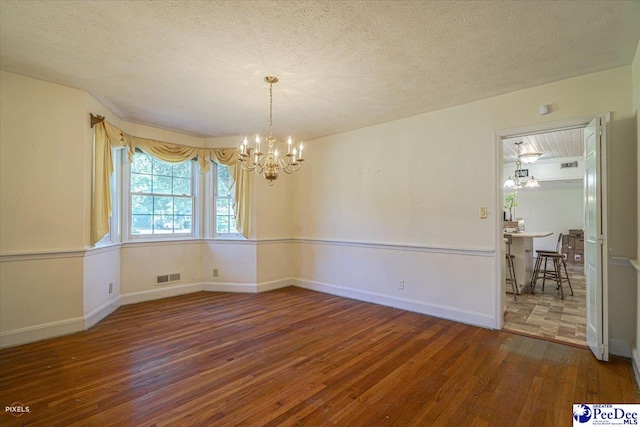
column 421, row 180
column 42, row 173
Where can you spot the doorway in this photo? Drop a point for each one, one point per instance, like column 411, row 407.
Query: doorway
column 552, row 207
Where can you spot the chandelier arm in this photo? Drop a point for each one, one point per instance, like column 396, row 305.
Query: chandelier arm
column 248, row 168
column 281, row 163
column 290, row 170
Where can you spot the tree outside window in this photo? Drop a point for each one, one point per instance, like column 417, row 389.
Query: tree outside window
column 224, row 219
column 162, row 197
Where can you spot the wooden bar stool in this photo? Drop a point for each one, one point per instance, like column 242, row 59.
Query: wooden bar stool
column 511, row 270
column 553, row 272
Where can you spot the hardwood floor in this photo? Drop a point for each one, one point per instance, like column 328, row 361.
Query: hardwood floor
column 297, row 357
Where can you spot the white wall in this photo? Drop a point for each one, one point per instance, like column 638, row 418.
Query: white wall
column 420, row 182
column 555, row 209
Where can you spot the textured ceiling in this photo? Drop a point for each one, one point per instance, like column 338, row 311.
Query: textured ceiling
column 198, row 66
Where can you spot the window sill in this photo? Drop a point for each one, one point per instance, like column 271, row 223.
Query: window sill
column 161, row 241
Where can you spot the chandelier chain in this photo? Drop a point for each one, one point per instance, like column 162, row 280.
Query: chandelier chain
column 270, row 111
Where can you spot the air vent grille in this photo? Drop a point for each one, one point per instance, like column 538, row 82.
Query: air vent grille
column 569, row 165
column 164, row 279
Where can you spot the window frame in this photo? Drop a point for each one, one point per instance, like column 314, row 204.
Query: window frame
column 213, row 207
column 195, row 208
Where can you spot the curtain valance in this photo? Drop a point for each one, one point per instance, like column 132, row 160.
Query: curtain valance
column 108, row 136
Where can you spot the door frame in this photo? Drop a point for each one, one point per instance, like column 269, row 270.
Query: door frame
column 501, row 134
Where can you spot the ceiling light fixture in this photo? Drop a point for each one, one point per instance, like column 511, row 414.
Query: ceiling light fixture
column 528, row 156
column 514, row 182
column 252, row 159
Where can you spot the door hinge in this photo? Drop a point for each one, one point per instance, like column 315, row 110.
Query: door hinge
column 600, row 130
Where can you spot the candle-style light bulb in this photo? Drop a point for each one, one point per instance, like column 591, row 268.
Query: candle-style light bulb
column 289, row 142
column 275, row 154
column 257, row 143
column 294, row 154
column 301, row 147
column 243, row 146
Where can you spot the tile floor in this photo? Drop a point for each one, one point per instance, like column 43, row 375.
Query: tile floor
column 546, row 315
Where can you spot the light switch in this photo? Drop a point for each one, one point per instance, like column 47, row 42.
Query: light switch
column 483, row 213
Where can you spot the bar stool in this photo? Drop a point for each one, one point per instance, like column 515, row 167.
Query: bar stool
column 554, row 273
column 511, row 268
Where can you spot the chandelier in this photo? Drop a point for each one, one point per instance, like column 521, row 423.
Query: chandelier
column 515, row 182
column 252, row 159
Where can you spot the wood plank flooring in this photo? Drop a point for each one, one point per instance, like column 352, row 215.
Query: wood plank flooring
column 296, row 357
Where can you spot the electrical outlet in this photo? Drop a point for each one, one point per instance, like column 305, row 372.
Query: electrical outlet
column 215, row 272
column 401, row 284
column 110, row 287
column 483, row 213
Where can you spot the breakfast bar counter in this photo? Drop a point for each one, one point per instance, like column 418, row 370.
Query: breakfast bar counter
column 522, row 250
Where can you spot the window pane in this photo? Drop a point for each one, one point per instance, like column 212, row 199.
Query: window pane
column 181, row 186
column 159, row 211
column 163, row 224
column 183, row 224
column 182, row 170
column 140, row 183
column 161, row 184
column 233, row 227
column 222, row 224
column 163, row 206
column 141, row 205
column 223, row 181
column 222, row 207
column 141, row 163
column 161, row 168
column 141, row 224
column 182, row 206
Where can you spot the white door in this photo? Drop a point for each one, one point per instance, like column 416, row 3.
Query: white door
column 595, row 241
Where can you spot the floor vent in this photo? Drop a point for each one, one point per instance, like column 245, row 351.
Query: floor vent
column 167, row 278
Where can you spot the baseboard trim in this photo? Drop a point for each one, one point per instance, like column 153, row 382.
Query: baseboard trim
column 247, row 287
column 635, row 362
column 65, row 327
column 101, row 312
column 41, row 332
column 443, row 312
column 164, row 292
column 620, row 348
column 275, row 284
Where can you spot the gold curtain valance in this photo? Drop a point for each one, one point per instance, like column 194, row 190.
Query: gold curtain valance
column 108, row 136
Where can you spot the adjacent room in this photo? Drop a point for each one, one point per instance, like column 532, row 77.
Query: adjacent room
column 545, row 199
column 252, row 213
